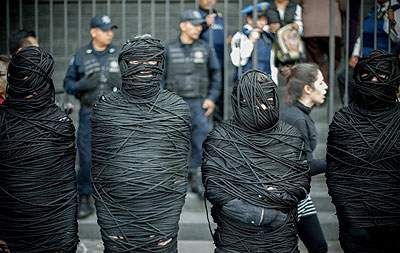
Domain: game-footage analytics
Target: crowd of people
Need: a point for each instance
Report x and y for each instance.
(144, 135)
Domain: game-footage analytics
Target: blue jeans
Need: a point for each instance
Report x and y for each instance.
(200, 130)
(84, 150)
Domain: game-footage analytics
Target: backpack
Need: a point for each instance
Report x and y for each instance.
(289, 48)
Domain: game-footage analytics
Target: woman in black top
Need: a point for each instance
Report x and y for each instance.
(306, 88)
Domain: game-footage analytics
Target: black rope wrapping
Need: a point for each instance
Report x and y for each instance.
(38, 196)
(363, 149)
(140, 152)
(259, 160)
(380, 93)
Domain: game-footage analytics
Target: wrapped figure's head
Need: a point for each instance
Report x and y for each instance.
(141, 60)
(29, 74)
(255, 101)
(377, 79)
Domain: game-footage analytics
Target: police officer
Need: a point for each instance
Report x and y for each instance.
(193, 72)
(214, 23)
(93, 71)
(244, 42)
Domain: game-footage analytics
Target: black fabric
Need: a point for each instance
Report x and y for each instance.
(310, 232)
(363, 149)
(140, 150)
(188, 69)
(274, 17)
(38, 197)
(298, 115)
(379, 239)
(193, 58)
(257, 167)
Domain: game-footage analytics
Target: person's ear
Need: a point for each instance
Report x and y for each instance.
(249, 20)
(182, 25)
(307, 89)
(93, 32)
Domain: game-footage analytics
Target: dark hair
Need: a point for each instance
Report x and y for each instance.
(298, 76)
(5, 58)
(19, 40)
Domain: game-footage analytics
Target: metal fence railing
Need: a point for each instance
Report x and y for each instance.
(149, 10)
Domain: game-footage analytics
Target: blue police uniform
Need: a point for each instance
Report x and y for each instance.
(264, 47)
(382, 36)
(218, 34)
(193, 72)
(101, 69)
(218, 42)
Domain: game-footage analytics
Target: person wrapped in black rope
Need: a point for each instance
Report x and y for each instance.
(255, 172)
(140, 149)
(363, 158)
(38, 194)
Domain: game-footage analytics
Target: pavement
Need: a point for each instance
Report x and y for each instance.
(187, 246)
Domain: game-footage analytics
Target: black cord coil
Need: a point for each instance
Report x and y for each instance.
(140, 150)
(379, 93)
(255, 172)
(363, 149)
(38, 197)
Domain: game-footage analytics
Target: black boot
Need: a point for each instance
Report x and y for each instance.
(84, 207)
(196, 183)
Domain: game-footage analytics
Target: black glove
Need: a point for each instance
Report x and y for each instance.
(115, 80)
(88, 82)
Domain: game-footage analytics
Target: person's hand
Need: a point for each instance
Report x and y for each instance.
(398, 93)
(88, 82)
(274, 27)
(255, 35)
(228, 40)
(390, 15)
(210, 19)
(209, 105)
(353, 61)
(295, 26)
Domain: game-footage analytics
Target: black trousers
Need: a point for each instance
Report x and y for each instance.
(310, 233)
(378, 239)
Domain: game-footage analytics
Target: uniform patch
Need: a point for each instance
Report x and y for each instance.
(198, 57)
(106, 19)
(114, 66)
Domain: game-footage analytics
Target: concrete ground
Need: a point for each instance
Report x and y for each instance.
(96, 246)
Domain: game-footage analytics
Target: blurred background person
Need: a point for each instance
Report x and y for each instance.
(93, 71)
(193, 72)
(214, 23)
(244, 42)
(282, 13)
(21, 39)
(316, 19)
(4, 61)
